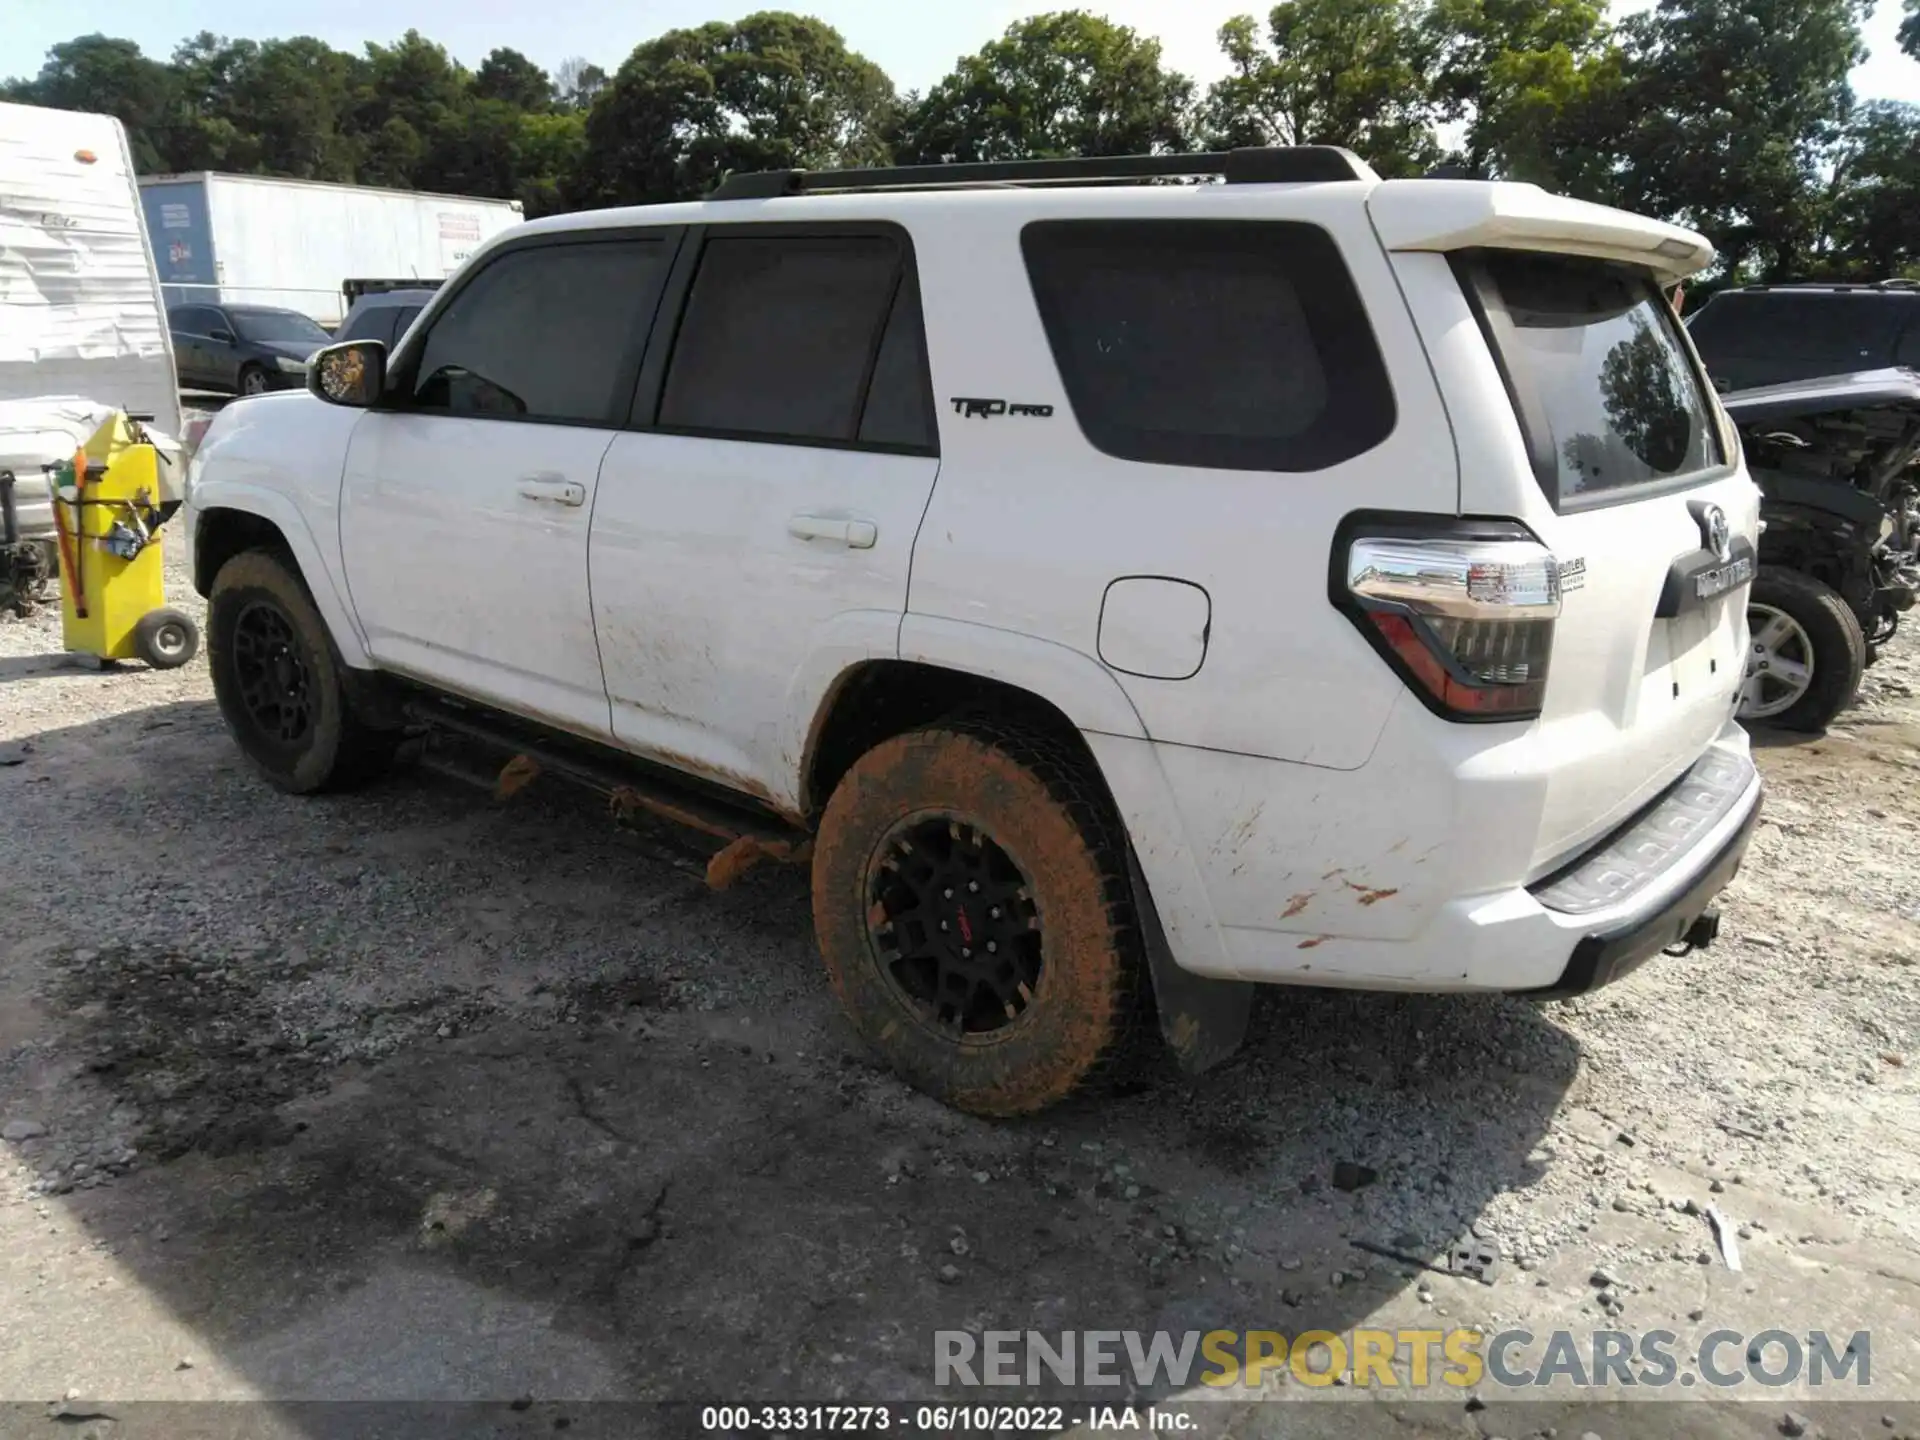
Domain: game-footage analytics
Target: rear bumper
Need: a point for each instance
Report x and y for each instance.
(1604, 956)
(1402, 919)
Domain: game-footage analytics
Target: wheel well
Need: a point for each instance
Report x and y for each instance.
(223, 534)
(883, 698)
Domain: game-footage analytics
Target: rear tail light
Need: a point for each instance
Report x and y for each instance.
(1467, 620)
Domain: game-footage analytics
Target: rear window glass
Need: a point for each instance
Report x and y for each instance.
(1607, 396)
(1222, 344)
(1849, 331)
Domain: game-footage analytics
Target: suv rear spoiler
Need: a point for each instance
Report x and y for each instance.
(1469, 214)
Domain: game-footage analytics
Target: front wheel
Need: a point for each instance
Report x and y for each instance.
(1805, 652)
(253, 381)
(971, 900)
(280, 684)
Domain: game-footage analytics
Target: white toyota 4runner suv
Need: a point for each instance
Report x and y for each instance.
(1117, 592)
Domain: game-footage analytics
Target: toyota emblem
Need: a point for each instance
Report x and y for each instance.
(1713, 520)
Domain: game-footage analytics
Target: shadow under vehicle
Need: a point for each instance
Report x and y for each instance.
(1840, 555)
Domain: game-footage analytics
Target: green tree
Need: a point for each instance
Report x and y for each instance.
(1910, 30)
(1063, 84)
(112, 77)
(510, 77)
(207, 137)
(1873, 216)
(1332, 72)
(292, 102)
(1726, 117)
(1511, 70)
(576, 83)
(771, 91)
(410, 107)
(551, 149)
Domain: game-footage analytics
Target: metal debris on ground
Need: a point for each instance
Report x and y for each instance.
(1723, 1232)
(1476, 1258)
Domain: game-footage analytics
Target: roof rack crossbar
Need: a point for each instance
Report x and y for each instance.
(1258, 165)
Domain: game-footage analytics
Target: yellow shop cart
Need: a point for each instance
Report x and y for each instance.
(108, 512)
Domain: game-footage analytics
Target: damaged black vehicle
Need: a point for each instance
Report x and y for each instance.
(1840, 553)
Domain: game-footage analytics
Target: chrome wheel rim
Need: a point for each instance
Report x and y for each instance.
(1780, 663)
(170, 639)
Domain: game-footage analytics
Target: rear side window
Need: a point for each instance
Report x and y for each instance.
(550, 333)
(1223, 344)
(812, 338)
(1607, 396)
(900, 400)
(369, 324)
(1908, 353)
(402, 318)
(1818, 330)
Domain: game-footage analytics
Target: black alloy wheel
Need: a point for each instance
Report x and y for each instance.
(953, 921)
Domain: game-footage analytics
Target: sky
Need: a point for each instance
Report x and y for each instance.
(914, 41)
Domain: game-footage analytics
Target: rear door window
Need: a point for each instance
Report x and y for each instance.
(1607, 395)
(551, 332)
(1223, 344)
(808, 338)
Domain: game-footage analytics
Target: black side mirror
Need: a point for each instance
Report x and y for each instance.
(353, 373)
(225, 337)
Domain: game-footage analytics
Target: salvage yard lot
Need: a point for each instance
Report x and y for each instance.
(410, 1094)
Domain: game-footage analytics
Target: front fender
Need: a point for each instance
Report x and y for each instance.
(280, 458)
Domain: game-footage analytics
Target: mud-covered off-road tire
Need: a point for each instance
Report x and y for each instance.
(260, 604)
(1833, 631)
(1039, 801)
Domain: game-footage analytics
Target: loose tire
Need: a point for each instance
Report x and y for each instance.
(279, 681)
(166, 639)
(1805, 653)
(1031, 986)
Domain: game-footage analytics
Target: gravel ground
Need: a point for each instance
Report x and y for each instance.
(410, 1094)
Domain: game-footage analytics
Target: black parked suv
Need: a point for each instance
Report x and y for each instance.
(383, 315)
(1767, 334)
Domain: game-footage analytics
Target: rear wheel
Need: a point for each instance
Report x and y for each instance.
(1805, 652)
(971, 901)
(280, 683)
(253, 381)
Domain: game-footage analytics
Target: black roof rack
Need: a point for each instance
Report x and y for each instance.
(1258, 165)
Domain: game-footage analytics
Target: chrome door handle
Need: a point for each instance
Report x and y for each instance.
(553, 491)
(855, 534)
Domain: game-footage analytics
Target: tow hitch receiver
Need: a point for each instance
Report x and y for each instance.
(1702, 933)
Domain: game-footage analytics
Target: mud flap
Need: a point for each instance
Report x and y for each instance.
(1203, 1020)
